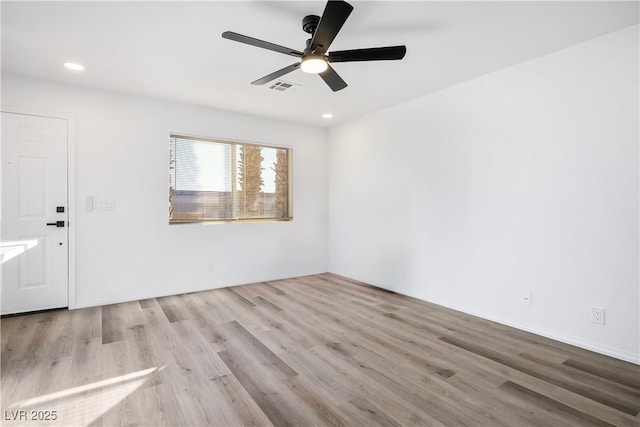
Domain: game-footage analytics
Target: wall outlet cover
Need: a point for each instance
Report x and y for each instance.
(597, 315)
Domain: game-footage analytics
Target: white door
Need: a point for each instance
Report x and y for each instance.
(34, 231)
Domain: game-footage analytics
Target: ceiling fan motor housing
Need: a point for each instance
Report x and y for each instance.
(310, 23)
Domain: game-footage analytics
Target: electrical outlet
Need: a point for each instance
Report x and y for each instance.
(597, 315)
(526, 298)
(211, 268)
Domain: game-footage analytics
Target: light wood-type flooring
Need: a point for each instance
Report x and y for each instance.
(317, 350)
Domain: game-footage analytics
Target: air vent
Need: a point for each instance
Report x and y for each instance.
(282, 86)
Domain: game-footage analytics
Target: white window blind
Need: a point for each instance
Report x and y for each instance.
(212, 180)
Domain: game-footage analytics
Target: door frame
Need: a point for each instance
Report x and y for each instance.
(71, 189)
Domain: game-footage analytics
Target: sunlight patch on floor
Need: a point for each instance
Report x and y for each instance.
(78, 406)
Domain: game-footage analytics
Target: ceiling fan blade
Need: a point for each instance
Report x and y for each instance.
(276, 74)
(333, 18)
(230, 35)
(332, 78)
(371, 54)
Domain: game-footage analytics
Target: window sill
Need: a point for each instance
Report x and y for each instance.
(230, 221)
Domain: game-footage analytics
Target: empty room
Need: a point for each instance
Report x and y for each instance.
(362, 213)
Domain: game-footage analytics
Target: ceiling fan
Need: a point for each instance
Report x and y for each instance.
(314, 58)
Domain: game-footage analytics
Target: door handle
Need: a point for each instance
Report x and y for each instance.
(56, 224)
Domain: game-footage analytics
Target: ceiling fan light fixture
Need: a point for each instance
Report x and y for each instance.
(314, 64)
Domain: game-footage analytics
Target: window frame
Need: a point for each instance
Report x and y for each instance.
(234, 143)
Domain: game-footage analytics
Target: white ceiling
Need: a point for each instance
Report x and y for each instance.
(174, 50)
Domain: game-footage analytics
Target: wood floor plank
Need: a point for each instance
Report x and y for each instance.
(492, 329)
(242, 409)
(148, 303)
(240, 298)
(314, 350)
(604, 396)
(132, 314)
(337, 388)
(87, 343)
(259, 350)
(248, 292)
(227, 306)
(272, 288)
(112, 326)
(613, 374)
(204, 324)
(169, 309)
(368, 377)
(550, 405)
(266, 394)
(266, 303)
(477, 363)
(624, 393)
(253, 317)
(504, 405)
(287, 331)
(372, 414)
(142, 354)
(199, 356)
(214, 304)
(314, 400)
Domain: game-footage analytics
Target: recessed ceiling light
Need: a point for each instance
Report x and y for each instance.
(327, 116)
(73, 66)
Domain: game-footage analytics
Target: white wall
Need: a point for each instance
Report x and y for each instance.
(521, 180)
(122, 151)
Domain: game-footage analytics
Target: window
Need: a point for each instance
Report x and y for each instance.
(214, 180)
